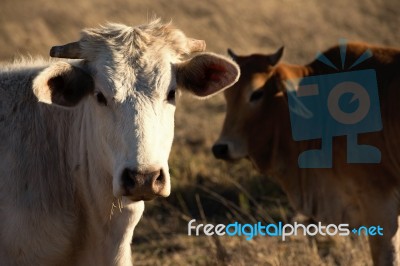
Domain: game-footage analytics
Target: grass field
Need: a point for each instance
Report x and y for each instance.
(204, 188)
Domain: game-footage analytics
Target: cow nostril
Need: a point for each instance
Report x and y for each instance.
(220, 150)
(161, 177)
(127, 180)
(158, 183)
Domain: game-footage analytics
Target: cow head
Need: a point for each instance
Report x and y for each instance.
(126, 86)
(253, 105)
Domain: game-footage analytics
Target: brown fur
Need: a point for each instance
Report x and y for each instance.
(358, 194)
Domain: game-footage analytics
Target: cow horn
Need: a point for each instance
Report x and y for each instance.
(70, 50)
(232, 54)
(196, 45)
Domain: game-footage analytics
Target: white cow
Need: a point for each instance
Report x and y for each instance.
(80, 138)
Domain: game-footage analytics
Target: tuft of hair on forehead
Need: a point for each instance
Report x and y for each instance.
(154, 35)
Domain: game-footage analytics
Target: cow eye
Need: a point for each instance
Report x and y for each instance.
(101, 99)
(256, 95)
(171, 96)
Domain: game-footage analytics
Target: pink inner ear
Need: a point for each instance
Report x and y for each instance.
(215, 77)
(215, 71)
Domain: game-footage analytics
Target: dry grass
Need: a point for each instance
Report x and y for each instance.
(223, 192)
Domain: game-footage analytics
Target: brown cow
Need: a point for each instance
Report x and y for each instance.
(258, 126)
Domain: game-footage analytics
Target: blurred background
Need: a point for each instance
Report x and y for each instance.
(203, 188)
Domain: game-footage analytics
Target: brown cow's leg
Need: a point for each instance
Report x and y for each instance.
(396, 242)
(384, 249)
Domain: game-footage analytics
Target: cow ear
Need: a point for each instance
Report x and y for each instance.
(62, 84)
(207, 74)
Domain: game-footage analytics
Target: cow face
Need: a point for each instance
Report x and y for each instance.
(136, 75)
(252, 108)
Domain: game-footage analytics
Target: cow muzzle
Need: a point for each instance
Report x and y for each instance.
(221, 151)
(229, 150)
(145, 184)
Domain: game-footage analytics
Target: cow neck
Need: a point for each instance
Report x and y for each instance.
(106, 220)
(93, 182)
(49, 187)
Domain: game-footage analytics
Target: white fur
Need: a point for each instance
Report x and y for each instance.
(60, 168)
